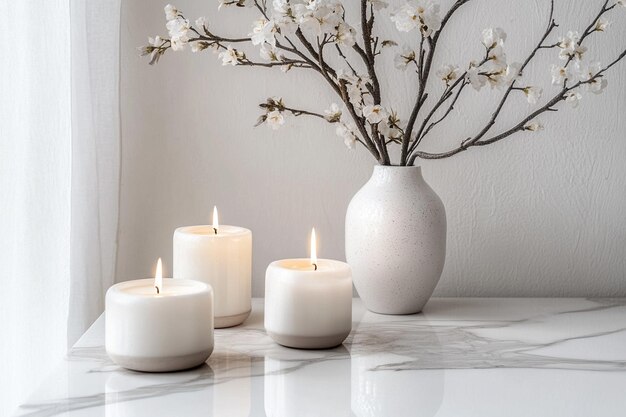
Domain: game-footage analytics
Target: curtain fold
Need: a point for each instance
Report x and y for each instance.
(94, 28)
(59, 180)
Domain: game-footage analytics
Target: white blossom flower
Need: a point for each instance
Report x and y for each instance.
(346, 131)
(153, 49)
(171, 12)
(512, 72)
(202, 23)
(270, 53)
(559, 74)
(493, 37)
(496, 78)
(375, 114)
(355, 95)
(391, 132)
(422, 14)
(284, 16)
(533, 126)
(569, 41)
(282, 7)
(570, 47)
(573, 98)
(533, 94)
(497, 57)
(263, 31)
(230, 56)
(333, 114)
(597, 85)
(356, 86)
(199, 46)
(403, 59)
(587, 73)
(499, 76)
(448, 73)
(275, 119)
(345, 35)
(602, 25)
(474, 76)
(178, 30)
(156, 41)
(378, 4)
(319, 17)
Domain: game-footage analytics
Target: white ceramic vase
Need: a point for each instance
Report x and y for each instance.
(396, 240)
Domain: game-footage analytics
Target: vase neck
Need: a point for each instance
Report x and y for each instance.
(396, 174)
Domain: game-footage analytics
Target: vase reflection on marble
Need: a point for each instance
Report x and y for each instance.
(396, 372)
(396, 240)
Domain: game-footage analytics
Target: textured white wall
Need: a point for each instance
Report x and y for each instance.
(535, 215)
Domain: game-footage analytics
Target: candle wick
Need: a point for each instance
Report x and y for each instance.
(315, 267)
(215, 230)
(157, 288)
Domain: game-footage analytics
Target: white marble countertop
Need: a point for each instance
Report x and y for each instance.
(461, 357)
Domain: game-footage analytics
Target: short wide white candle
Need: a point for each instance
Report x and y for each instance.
(221, 256)
(166, 331)
(308, 302)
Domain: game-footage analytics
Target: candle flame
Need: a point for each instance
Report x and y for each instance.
(158, 277)
(313, 249)
(216, 224)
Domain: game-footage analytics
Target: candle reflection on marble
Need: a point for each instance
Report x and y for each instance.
(232, 382)
(132, 394)
(308, 302)
(309, 392)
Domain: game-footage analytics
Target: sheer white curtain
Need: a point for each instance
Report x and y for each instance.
(59, 177)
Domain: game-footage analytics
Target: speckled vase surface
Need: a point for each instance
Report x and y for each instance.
(396, 240)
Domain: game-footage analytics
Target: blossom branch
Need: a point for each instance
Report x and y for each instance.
(448, 92)
(592, 26)
(295, 33)
(425, 73)
(359, 121)
(289, 62)
(521, 126)
(368, 55)
(551, 25)
(421, 136)
(369, 59)
(299, 112)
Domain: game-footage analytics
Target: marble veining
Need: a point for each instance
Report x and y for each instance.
(460, 357)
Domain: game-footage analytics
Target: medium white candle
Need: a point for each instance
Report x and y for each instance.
(159, 325)
(221, 256)
(308, 302)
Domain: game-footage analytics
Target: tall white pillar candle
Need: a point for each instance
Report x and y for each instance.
(159, 325)
(220, 256)
(308, 302)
